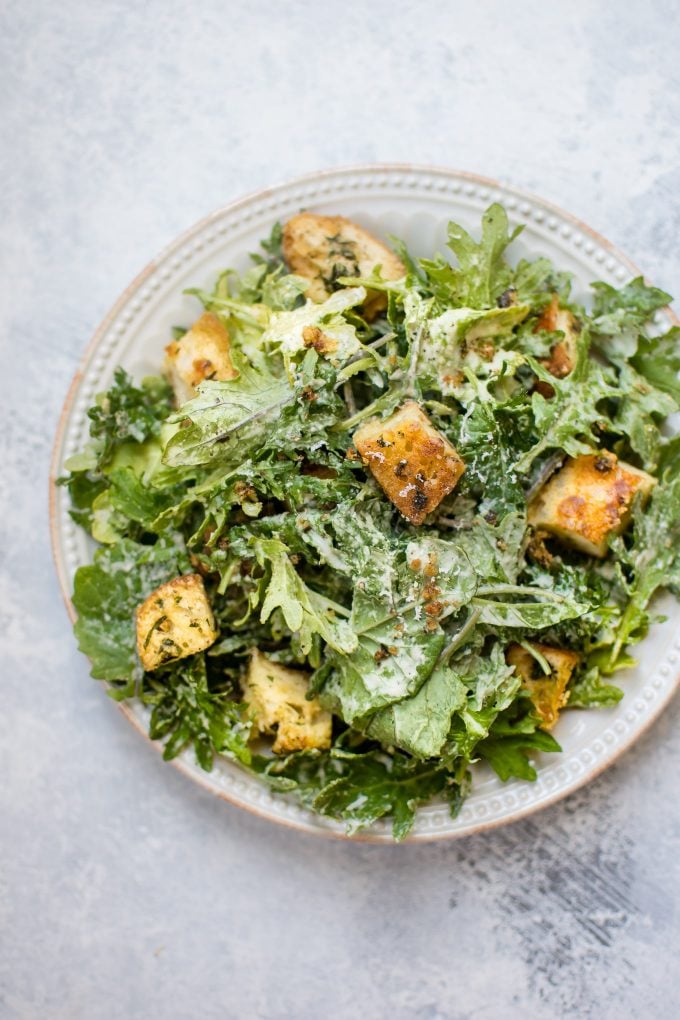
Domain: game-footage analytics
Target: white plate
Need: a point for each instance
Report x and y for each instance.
(414, 203)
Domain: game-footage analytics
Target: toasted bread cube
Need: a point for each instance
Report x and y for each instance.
(202, 353)
(277, 701)
(176, 620)
(324, 248)
(588, 500)
(548, 691)
(412, 462)
(563, 354)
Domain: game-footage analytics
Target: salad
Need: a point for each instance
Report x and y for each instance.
(379, 518)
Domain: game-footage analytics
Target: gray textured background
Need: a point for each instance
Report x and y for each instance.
(126, 892)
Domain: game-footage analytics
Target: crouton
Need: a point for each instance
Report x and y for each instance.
(174, 621)
(324, 248)
(411, 461)
(548, 691)
(202, 353)
(277, 702)
(588, 500)
(563, 354)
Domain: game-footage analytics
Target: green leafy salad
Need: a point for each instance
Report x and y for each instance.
(379, 518)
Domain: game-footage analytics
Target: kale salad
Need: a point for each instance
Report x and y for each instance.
(379, 518)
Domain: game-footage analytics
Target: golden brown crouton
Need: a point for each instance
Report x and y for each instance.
(276, 699)
(412, 462)
(174, 621)
(202, 353)
(588, 500)
(548, 691)
(324, 248)
(563, 354)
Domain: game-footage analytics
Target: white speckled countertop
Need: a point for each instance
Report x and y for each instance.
(125, 891)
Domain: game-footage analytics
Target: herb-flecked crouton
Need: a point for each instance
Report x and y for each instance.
(324, 248)
(414, 464)
(176, 620)
(588, 500)
(277, 703)
(548, 691)
(202, 353)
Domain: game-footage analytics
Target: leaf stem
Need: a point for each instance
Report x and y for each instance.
(520, 589)
(348, 394)
(624, 629)
(460, 638)
(540, 659)
(221, 437)
(365, 412)
(451, 522)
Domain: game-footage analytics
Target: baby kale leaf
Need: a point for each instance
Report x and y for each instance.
(128, 412)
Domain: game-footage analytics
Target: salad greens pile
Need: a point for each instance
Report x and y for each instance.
(255, 485)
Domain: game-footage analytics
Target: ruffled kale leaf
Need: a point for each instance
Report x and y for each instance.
(125, 423)
(452, 697)
(128, 412)
(534, 282)
(227, 419)
(509, 755)
(492, 447)
(482, 274)
(565, 420)
(591, 691)
(305, 612)
(139, 502)
(259, 411)
(361, 786)
(186, 712)
(394, 656)
(641, 408)
(621, 314)
(421, 724)
(658, 360)
(374, 785)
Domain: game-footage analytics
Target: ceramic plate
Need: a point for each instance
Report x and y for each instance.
(414, 203)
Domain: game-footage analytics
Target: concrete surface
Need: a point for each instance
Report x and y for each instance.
(125, 891)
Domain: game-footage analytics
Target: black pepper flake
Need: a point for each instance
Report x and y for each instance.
(419, 500)
(400, 469)
(603, 465)
(383, 443)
